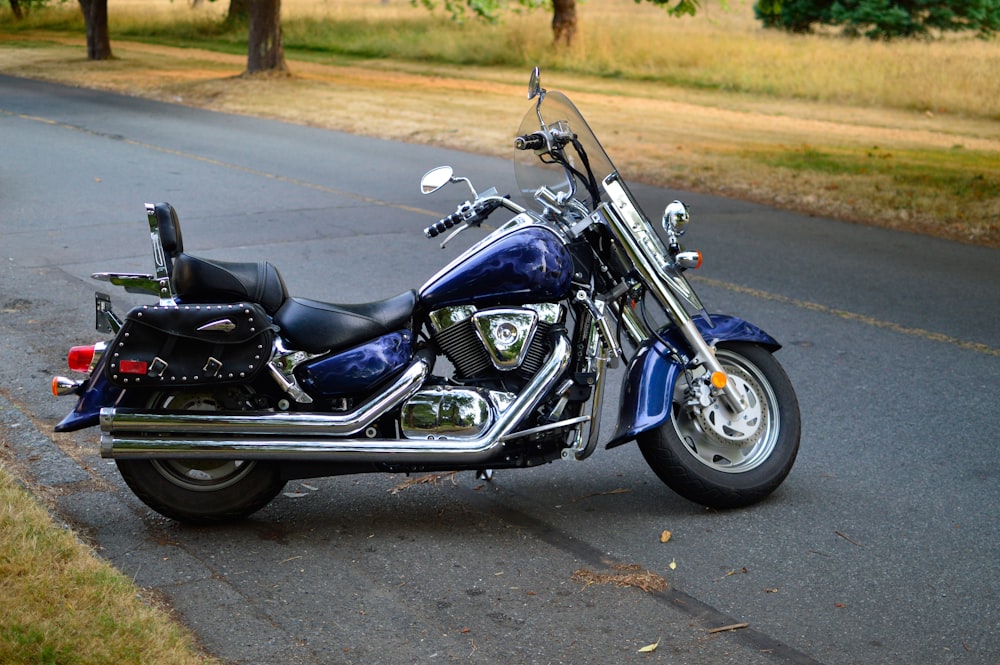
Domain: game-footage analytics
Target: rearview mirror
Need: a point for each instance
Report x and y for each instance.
(435, 179)
(675, 219)
(534, 84)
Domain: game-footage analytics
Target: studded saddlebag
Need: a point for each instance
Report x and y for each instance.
(190, 345)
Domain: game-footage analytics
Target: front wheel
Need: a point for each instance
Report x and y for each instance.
(200, 491)
(709, 457)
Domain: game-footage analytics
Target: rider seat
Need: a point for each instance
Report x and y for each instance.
(307, 325)
(317, 327)
(199, 281)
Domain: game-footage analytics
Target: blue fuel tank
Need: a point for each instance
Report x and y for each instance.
(529, 264)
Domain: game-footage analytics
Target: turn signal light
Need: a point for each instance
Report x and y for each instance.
(689, 260)
(719, 380)
(80, 358)
(63, 386)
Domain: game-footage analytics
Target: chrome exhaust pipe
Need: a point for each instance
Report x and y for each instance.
(284, 441)
(270, 424)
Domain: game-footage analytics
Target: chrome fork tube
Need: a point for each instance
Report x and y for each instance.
(625, 220)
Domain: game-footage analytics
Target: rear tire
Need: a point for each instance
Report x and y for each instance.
(200, 491)
(719, 466)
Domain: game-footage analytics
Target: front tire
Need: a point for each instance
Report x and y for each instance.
(719, 463)
(198, 491)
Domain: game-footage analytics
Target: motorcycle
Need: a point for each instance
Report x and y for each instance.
(211, 399)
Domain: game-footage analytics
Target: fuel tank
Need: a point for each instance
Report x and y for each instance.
(526, 264)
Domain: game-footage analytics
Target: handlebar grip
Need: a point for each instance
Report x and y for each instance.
(442, 225)
(530, 142)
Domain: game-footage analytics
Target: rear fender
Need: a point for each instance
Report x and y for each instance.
(652, 372)
(95, 394)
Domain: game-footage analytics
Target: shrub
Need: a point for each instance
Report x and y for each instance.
(882, 19)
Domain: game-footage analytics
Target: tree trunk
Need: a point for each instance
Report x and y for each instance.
(95, 16)
(15, 6)
(563, 21)
(239, 12)
(264, 50)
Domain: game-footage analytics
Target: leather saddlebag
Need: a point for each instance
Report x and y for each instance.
(190, 345)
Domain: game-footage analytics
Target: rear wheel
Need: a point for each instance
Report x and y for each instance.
(201, 491)
(710, 457)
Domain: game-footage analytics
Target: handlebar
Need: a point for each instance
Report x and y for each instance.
(530, 141)
(443, 225)
(472, 214)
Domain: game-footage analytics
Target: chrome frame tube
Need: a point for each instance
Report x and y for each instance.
(602, 351)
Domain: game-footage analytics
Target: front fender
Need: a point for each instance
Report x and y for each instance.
(647, 392)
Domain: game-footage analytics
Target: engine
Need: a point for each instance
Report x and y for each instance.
(501, 342)
(493, 351)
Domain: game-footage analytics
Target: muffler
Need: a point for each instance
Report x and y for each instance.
(270, 424)
(128, 434)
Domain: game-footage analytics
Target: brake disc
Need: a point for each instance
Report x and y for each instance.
(736, 430)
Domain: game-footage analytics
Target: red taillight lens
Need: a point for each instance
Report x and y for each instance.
(133, 367)
(80, 358)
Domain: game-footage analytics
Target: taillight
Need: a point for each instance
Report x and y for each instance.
(80, 358)
(85, 358)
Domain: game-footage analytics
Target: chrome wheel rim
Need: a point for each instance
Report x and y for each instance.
(194, 474)
(720, 440)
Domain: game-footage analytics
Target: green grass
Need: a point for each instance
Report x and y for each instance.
(974, 176)
(61, 605)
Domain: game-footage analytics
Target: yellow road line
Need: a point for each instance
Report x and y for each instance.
(850, 316)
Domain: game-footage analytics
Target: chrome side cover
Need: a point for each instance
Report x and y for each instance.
(452, 412)
(506, 334)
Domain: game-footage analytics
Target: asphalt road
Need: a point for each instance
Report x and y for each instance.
(881, 546)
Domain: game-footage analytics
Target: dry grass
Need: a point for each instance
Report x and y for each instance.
(63, 605)
(886, 168)
(625, 575)
(902, 135)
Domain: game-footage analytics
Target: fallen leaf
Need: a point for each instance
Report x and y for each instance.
(732, 626)
(649, 648)
(673, 564)
(665, 536)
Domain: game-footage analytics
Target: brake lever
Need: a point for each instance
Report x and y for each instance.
(454, 233)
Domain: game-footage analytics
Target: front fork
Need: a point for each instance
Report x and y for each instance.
(703, 353)
(599, 349)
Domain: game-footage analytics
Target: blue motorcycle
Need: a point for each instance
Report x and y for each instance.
(213, 397)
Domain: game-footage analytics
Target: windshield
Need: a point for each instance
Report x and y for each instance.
(573, 145)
